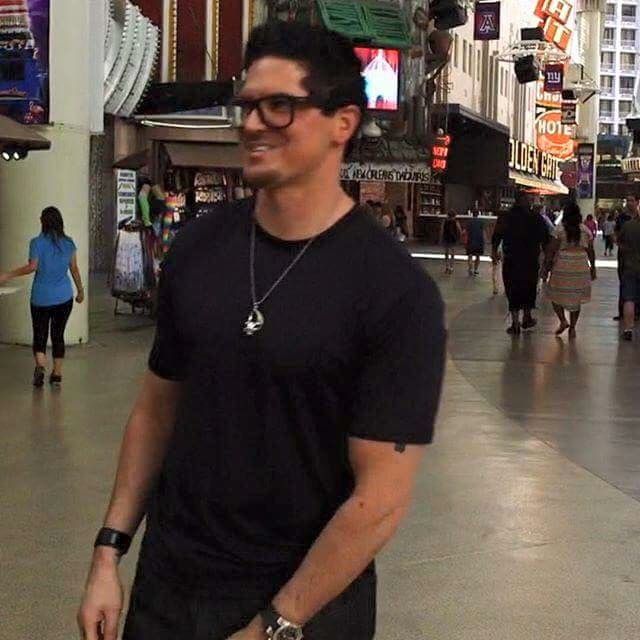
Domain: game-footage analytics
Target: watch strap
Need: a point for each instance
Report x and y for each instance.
(112, 538)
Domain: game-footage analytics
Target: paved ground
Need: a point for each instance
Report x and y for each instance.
(526, 523)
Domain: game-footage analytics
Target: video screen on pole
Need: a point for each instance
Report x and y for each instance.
(381, 70)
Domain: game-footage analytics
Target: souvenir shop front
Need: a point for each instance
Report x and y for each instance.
(182, 174)
(410, 185)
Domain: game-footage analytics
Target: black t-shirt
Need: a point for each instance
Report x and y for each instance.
(353, 345)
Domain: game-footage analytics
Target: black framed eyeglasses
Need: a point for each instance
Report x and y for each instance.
(277, 111)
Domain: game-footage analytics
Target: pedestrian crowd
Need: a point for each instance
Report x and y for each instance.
(553, 251)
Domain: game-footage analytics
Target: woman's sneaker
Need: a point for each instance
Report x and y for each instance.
(38, 376)
(55, 380)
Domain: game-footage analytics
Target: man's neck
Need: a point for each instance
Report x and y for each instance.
(301, 212)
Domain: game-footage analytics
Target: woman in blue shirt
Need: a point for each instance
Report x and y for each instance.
(52, 255)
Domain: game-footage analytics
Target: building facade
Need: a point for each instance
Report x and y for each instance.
(619, 65)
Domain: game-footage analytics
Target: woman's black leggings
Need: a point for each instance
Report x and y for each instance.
(55, 317)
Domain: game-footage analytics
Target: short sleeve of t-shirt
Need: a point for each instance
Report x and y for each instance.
(398, 391)
(167, 358)
(34, 253)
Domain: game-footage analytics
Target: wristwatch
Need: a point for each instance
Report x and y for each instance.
(111, 538)
(277, 628)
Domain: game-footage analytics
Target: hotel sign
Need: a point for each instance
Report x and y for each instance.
(528, 159)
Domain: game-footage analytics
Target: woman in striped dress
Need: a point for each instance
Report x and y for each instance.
(572, 263)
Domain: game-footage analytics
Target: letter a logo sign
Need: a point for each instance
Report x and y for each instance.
(487, 21)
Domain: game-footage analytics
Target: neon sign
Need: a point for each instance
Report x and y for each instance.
(440, 153)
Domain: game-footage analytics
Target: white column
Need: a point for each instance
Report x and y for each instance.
(590, 28)
(58, 177)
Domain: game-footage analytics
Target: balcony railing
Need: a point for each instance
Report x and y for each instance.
(627, 44)
(606, 91)
(607, 67)
(607, 42)
(628, 19)
(606, 115)
(628, 68)
(625, 91)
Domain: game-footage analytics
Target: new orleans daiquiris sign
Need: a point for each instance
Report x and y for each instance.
(528, 159)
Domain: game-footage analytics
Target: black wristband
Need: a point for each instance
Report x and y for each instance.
(111, 538)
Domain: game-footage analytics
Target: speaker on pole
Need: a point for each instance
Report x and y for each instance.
(527, 69)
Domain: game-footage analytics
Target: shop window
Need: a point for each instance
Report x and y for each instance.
(464, 56)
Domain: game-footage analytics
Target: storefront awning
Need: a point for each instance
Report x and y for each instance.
(542, 185)
(370, 22)
(135, 161)
(479, 149)
(14, 134)
(206, 156)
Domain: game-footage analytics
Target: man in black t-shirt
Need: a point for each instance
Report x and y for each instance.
(629, 212)
(294, 382)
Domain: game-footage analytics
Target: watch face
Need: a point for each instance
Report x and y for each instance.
(288, 633)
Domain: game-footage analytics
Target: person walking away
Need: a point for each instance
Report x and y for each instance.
(401, 223)
(276, 439)
(630, 211)
(592, 225)
(571, 261)
(522, 235)
(496, 257)
(450, 234)
(608, 230)
(475, 243)
(387, 219)
(629, 246)
(52, 255)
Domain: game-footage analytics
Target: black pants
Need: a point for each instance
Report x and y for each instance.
(52, 319)
(160, 611)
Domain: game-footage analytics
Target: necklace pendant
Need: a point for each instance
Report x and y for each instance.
(254, 322)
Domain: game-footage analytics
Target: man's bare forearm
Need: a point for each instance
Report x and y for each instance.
(348, 544)
(143, 450)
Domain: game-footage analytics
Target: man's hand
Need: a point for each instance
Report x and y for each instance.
(254, 631)
(80, 296)
(103, 599)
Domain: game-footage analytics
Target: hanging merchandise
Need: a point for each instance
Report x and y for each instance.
(133, 278)
(448, 14)
(487, 21)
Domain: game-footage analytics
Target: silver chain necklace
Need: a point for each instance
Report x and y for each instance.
(255, 321)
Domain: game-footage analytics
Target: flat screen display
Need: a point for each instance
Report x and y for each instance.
(381, 70)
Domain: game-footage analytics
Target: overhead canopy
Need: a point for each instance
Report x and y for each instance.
(135, 161)
(14, 134)
(371, 22)
(479, 149)
(209, 156)
(543, 185)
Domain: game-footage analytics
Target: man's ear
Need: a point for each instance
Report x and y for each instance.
(347, 121)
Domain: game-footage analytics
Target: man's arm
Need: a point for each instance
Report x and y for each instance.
(385, 477)
(143, 450)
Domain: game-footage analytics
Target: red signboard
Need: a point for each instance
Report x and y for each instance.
(554, 16)
(440, 153)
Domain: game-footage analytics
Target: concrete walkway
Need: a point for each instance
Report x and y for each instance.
(526, 522)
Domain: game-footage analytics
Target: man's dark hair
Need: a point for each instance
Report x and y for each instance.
(334, 70)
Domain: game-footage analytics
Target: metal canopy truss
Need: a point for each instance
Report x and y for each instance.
(544, 51)
(547, 52)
